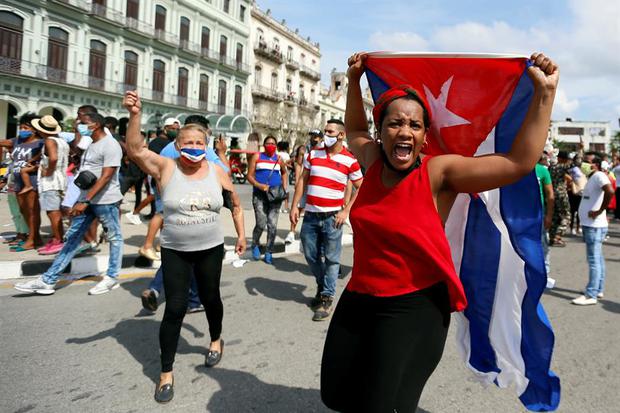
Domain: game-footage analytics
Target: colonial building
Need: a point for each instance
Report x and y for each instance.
(183, 57)
(285, 79)
(566, 134)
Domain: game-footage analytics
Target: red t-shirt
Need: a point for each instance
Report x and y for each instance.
(399, 241)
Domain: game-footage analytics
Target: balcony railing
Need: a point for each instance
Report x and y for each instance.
(42, 72)
(267, 93)
(273, 53)
(292, 64)
(80, 4)
(139, 26)
(190, 46)
(167, 37)
(108, 13)
(310, 73)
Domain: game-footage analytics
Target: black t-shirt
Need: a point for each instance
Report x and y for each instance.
(157, 144)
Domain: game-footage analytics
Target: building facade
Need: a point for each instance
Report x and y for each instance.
(285, 79)
(183, 57)
(567, 134)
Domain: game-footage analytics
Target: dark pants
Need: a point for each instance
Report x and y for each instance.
(380, 351)
(266, 215)
(127, 181)
(177, 268)
(617, 210)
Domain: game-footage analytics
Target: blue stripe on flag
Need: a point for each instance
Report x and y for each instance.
(479, 277)
(524, 223)
(377, 86)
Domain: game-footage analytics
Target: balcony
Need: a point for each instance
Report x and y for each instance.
(139, 26)
(272, 53)
(267, 93)
(190, 47)
(309, 73)
(79, 4)
(290, 99)
(107, 13)
(306, 105)
(291, 64)
(234, 64)
(167, 37)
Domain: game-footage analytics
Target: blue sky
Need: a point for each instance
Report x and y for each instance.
(582, 36)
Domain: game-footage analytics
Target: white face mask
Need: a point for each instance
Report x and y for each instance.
(330, 140)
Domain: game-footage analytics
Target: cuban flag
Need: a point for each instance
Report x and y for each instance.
(478, 103)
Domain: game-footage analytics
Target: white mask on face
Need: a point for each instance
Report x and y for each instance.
(330, 140)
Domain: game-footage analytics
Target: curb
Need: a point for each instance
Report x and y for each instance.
(95, 264)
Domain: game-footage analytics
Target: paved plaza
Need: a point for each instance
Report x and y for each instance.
(71, 352)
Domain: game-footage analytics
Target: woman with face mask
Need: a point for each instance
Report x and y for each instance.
(25, 149)
(191, 237)
(266, 170)
(388, 332)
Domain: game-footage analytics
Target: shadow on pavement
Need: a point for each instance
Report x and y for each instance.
(140, 339)
(569, 295)
(243, 392)
(136, 286)
(135, 240)
(277, 290)
(287, 265)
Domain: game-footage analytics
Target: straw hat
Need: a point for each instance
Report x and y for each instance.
(47, 125)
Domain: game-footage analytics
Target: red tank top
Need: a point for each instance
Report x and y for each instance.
(399, 241)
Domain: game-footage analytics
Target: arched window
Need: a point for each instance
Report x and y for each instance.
(223, 47)
(57, 53)
(221, 96)
(239, 55)
(289, 53)
(203, 93)
(258, 75)
(184, 31)
(289, 86)
(131, 70)
(182, 83)
(159, 79)
(160, 18)
(205, 40)
(96, 66)
(133, 9)
(11, 32)
(238, 97)
(260, 38)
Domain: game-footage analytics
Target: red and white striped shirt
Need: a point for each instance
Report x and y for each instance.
(328, 179)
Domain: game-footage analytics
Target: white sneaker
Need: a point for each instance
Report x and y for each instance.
(104, 286)
(290, 238)
(583, 300)
(36, 286)
(599, 295)
(550, 283)
(133, 218)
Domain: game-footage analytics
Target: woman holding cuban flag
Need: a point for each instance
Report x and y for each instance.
(388, 332)
(191, 237)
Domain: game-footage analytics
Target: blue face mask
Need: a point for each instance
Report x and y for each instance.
(24, 134)
(83, 130)
(193, 154)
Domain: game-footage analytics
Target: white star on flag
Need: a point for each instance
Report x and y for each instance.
(442, 116)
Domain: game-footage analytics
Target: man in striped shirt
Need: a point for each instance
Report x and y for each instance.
(325, 175)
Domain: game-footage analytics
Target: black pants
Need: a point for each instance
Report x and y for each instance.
(177, 269)
(380, 351)
(617, 210)
(136, 181)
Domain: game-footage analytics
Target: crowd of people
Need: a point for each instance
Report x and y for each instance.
(403, 285)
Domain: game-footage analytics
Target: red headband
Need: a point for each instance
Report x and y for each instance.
(392, 94)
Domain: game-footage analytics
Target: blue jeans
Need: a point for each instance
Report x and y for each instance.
(593, 238)
(322, 245)
(108, 216)
(157, 284)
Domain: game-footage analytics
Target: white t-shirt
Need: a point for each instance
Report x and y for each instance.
(592, 199)
(284, 156)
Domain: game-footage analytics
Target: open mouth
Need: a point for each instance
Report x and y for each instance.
(402, 151)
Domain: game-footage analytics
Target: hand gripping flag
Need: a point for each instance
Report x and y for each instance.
(478, 103)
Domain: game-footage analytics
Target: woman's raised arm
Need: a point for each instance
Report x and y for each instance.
(150, 162)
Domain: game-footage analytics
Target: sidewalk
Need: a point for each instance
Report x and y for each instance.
(27, 263)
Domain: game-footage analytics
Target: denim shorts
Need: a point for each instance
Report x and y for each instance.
(50, 200)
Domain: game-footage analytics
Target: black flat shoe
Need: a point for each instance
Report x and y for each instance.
(165, 393)
(214, 357)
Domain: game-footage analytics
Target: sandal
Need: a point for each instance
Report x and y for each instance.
(558, 243)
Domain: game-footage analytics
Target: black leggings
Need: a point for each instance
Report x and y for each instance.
(177, 271)
(380, 351)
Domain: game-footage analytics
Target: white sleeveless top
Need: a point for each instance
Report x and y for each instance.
(57, 181)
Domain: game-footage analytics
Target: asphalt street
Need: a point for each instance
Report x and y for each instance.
(71, 352)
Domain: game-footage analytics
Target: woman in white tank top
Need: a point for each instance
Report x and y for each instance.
(191, 236)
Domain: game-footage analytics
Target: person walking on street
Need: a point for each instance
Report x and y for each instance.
(191, 238)
(593, 215)
(560, 177)
(324, 180)
(266, 172)
(547, 200)
(100, 197)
